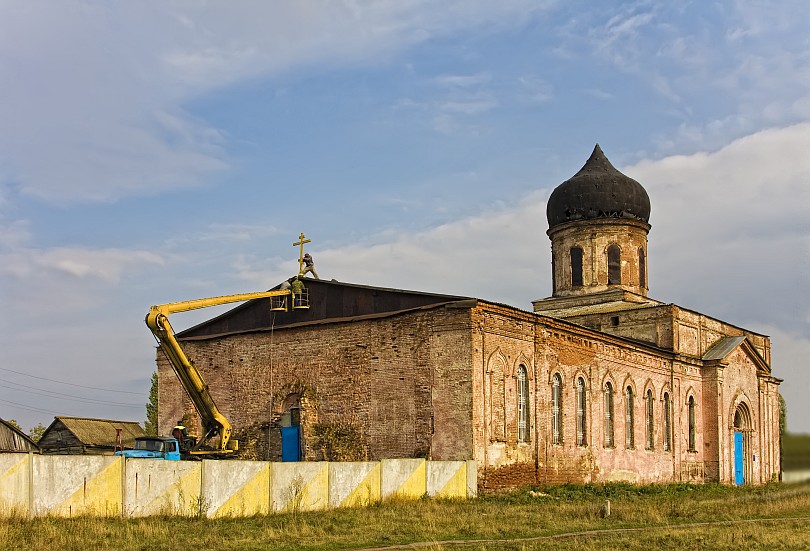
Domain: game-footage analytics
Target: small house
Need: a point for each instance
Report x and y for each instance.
(79, 435)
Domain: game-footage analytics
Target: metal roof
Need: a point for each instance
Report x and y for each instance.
(598, 190)
(100, 432)
(722, 348)
(603, 308)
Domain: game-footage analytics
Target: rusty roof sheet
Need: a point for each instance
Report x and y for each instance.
(603, 308)
(722, 348)
(101, 432)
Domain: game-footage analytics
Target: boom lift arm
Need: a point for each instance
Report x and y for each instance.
(214, 423)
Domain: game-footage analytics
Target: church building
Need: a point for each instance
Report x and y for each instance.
(599, 382)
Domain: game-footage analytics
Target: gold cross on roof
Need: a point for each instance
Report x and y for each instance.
(300, 243)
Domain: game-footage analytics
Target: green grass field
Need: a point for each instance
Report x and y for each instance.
(674, 517)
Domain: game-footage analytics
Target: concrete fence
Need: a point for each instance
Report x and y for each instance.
(790, 477)
(71, 485)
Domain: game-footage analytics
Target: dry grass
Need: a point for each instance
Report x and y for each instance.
(656, 517)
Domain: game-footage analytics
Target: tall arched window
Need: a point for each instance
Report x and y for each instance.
(667, 423)
(629, 419)
(556, 410)
(650, 408)
(642, 269)
(553, 275)
(608, 415)
(576, 267)
(582, 424)
(523, 403)
(692, 424)
(614, 255)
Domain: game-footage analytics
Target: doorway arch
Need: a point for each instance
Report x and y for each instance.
(740, 448)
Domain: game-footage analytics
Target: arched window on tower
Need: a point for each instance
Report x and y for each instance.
(523, 403)
(649, 406)
(556, 410)
(629, 419)
(576, 267)
(692, 424)
(608, 415)
(582, 424)
(642, 269)
(614, 254)
(553, 274)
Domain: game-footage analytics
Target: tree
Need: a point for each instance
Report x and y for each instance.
(151, 424)
(782, 416)
(37, 432)
(15, 424)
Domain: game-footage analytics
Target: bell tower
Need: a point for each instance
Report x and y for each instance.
(598, 221)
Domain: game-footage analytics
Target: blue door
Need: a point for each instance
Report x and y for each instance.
(291, 443)
(739, 455)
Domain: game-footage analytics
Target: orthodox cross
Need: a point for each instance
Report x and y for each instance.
(300, 243)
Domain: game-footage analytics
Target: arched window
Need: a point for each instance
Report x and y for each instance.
(608, 415)
(576, 267)
(614, 255)
(523, 403)
(582, 424)
(556, 410)
(650, 408)
(629, 419)
(642, 269)
(553, 275)
(667, 423)
(692, 424)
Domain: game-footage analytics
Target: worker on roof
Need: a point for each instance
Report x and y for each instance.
(309, 266)
(297, 287)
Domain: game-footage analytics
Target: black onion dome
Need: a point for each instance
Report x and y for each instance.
(598, 190)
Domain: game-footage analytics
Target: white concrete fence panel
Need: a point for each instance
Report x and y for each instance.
(74, 485)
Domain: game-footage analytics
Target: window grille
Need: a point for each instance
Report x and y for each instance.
(692, 424)
(667, 423)
(642, 270)
(581, 409)
(556, 410)
(576, 267)
(523, 404)
(650, 405)
(614, 255)
(608, 415)
(629, 418)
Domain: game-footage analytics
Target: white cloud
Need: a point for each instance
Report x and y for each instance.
(790, 351)
(106, 265)
(730, 239)
(93, 94)
(463, 81)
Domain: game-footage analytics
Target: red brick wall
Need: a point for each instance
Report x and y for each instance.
(382, 376)
(442, 383)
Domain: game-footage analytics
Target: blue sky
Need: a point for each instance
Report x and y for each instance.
(160, 151)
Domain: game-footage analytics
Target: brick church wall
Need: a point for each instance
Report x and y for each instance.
(376, 376)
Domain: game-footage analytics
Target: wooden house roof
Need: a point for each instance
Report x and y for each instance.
(13, 439)
(97, 432)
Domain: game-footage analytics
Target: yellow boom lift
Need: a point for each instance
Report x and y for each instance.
(214, 422)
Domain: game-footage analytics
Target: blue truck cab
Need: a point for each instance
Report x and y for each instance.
(154, 447)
